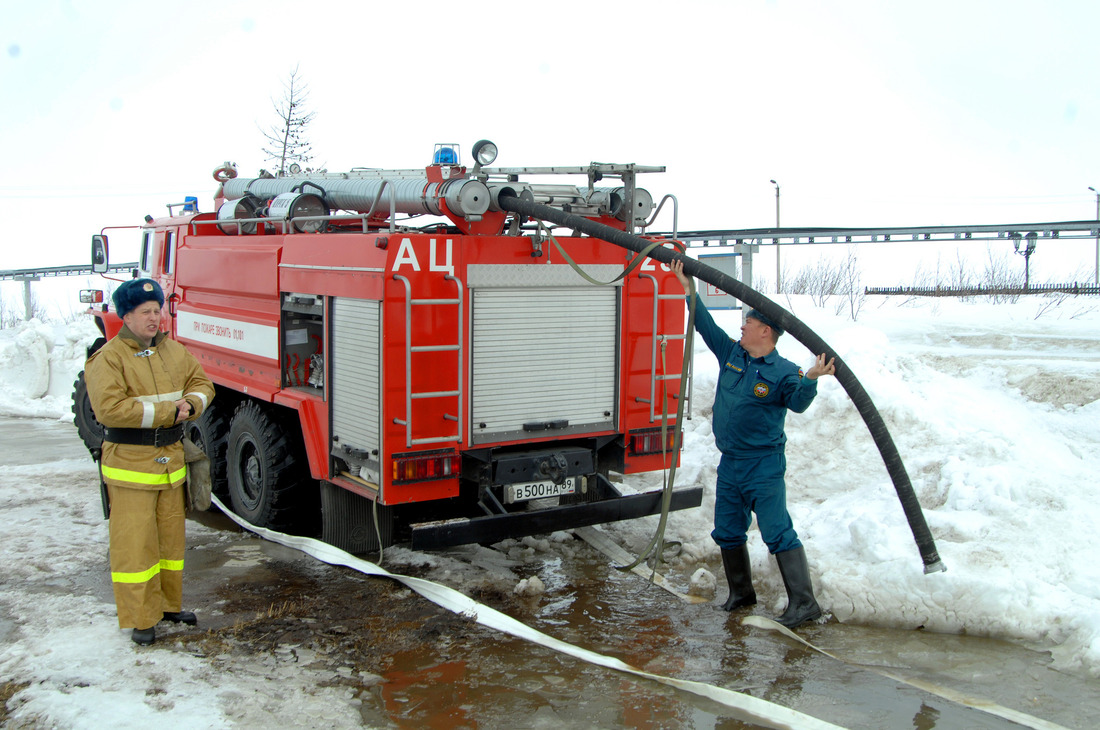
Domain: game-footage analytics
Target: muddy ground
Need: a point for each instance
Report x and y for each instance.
(405, 662)
(291, 623)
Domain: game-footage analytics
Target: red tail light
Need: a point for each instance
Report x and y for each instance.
(649, 441)
(424, 467)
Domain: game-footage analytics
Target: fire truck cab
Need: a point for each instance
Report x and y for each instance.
(474, 377)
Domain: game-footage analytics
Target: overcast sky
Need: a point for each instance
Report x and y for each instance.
(866, 112)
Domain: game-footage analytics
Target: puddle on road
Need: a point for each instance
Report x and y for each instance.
(413, 665)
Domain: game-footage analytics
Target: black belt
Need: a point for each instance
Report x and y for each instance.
(144, 436)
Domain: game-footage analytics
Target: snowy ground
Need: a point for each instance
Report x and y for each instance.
(995, 411)
(996, 414)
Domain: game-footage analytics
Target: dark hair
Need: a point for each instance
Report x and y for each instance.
(763, 319)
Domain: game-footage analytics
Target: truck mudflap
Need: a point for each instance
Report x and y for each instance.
(494, 528)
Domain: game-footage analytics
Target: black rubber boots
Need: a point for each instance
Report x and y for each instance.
(181, 617)
(801, 604)
(144, 637)
(739, 577)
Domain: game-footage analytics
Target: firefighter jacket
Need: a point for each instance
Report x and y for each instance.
(133, 386)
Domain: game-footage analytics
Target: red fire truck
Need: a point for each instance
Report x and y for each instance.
(439, 381)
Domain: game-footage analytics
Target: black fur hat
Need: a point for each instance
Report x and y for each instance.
(135, 292)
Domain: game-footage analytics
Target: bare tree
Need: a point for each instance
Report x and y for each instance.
(851, 286)
(13, 314)
(286, 141)
(820, 280)
(8, 316)
(959, 275)
(999, 275)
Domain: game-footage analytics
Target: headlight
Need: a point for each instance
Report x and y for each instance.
(485, 152)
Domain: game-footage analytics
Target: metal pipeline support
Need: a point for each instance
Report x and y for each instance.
(508, 201)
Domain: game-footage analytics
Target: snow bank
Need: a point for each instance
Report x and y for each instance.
(38, 364)
(1002, 457)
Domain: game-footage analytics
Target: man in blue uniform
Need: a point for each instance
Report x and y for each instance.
(756, 387)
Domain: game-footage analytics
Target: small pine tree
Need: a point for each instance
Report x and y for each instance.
(286, 141)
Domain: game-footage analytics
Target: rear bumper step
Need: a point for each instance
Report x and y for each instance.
(494, 528)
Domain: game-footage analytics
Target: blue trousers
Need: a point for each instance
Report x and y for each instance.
(748, 484)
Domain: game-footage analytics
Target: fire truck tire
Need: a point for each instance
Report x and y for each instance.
(210, 432)
(269, 480)
(90, 430)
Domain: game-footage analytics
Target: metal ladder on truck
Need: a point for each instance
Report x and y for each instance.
(654, 378)
(410, 350)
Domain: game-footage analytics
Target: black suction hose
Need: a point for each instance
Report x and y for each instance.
(508, 201)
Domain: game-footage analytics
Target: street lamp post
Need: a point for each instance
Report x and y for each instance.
(778, 284)
(1096, 265)
(1025, 246)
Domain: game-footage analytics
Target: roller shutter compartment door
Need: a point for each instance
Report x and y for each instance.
(543, 355)
(355, 373)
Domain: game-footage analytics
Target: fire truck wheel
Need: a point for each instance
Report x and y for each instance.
(210, 432)
(269, 484)
(90, 430)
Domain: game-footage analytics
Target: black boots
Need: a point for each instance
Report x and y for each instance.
(144, 637)
(739, 577)
(801, 604)
(181, 617)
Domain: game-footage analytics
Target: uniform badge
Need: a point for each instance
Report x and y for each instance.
(148, 286)
(800, 373)
(760, 390)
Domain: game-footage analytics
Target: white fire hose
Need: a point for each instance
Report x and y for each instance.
(748, 708)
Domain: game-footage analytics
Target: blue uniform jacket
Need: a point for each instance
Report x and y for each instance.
(753, 394)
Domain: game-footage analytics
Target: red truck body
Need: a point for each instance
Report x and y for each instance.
(455, 382)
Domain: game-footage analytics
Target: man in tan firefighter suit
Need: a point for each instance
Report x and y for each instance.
(143, 386)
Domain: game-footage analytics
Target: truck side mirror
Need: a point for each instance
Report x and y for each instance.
(99, 254)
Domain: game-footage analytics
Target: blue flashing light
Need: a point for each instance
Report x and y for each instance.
(445, 156)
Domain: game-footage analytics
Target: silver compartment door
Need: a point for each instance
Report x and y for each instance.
(543, 354)
(356, 377)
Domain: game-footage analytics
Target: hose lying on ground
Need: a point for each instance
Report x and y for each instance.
(753, 710)
(508, 201)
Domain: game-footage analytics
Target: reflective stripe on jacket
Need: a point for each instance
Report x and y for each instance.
(133, 386)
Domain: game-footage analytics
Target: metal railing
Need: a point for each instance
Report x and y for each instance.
(982, 291)
(28, 276)
(41, 272)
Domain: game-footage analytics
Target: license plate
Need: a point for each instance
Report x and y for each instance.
(538, 490)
